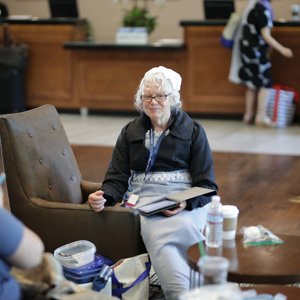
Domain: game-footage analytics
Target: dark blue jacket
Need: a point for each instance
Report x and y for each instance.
(185, 147)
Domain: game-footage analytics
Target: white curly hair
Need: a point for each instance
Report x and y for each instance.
(167, 80)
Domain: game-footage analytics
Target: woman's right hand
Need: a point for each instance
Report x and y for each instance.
(96, 201)
(287, 52)
(273, 43)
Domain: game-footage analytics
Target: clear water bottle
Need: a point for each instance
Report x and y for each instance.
(214, 226)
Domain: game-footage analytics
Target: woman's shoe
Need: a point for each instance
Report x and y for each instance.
(264, 122)
(248, 119)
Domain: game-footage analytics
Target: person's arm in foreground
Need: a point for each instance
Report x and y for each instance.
(26, 248)
(29, 252)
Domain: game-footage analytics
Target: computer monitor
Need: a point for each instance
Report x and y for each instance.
(218, 9)
(3, 10)
(63, 8)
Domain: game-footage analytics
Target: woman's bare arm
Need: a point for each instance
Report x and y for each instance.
(29, 252)
(266, 34)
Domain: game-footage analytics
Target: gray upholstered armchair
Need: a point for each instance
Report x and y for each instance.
(46, 190)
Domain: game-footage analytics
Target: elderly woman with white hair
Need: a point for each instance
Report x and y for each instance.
(161, 152)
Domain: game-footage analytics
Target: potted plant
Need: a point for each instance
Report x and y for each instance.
(137, 22)
(139, 17)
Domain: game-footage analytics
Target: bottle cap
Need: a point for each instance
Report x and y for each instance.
(216, 198)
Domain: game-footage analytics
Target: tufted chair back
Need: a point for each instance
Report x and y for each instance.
(46, 190)
(42, 157)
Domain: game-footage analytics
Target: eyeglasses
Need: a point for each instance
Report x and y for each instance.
(158, 98)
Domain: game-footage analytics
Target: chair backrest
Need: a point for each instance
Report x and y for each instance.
(38, 159)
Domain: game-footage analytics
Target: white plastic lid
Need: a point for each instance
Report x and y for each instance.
(75, 254)
(230, 210)
(216, 198)
(216, 203)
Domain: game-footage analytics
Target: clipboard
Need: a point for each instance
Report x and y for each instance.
(173, 200)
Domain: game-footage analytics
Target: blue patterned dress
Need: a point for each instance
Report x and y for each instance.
(255, 69)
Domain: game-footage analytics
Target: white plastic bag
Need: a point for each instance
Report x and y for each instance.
(130, 280)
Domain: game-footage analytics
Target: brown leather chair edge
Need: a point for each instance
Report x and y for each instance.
(115, 231)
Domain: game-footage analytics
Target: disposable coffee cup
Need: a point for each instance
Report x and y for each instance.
(214, 269)
(230, 218)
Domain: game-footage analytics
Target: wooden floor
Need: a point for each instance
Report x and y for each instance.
(260, 185)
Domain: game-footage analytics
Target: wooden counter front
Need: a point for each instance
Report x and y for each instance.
(106, 76)
(287, 71)
(208, 88)
(67, 71)
(49, 69)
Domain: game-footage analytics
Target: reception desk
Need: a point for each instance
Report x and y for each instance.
(207, 67)
(70, 72)
(49, 70)
(106, 76)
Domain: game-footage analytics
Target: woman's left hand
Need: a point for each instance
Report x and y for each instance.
(175, 211)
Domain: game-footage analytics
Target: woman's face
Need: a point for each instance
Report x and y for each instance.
(158, 110)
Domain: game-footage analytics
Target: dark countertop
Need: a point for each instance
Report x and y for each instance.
(223, 23)
(32, 20)
(113, 46)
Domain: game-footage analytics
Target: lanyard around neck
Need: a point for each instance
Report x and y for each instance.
(154, 147)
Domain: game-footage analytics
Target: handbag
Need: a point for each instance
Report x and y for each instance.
(281, 105)
(130, 278)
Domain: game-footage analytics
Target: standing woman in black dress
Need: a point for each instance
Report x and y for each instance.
(251, 65)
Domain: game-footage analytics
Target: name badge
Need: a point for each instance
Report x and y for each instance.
(132, 200)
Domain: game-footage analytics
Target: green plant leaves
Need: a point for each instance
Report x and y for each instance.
(139, 17)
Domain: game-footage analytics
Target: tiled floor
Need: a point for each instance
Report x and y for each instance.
(223, 135)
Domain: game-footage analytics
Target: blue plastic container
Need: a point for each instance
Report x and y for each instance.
(87, 272)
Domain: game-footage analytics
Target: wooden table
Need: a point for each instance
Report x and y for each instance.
(292, 293)
(278, 264)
